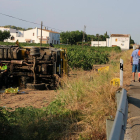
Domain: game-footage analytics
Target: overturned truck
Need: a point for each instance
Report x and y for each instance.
(34, 67)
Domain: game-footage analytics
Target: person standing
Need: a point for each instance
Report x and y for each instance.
(135, 62)
(139, 64)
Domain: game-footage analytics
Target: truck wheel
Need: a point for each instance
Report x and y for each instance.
(36, 86)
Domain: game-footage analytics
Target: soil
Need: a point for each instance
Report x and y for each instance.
(27, 97)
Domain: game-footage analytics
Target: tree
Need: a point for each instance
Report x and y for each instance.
(4, 35)
(71, 37)
(131, 41)
(106, 35)
(29, 28)
(14, 27)
(90, 37)
(77, 36)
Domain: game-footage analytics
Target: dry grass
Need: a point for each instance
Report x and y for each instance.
(80, 110)
(127, 72)
(91, 94)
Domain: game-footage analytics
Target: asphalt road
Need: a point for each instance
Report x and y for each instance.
(133, 122)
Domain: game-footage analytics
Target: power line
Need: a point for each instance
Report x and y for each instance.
(19, 19)
(28, 21)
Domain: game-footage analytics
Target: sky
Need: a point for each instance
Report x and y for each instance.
(99, 16)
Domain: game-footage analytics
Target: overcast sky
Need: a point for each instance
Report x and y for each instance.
(99, 16)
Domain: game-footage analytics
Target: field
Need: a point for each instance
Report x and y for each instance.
(77, 110)
(80, 57)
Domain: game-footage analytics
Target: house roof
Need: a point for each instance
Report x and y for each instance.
(49, 31)
(119, 35)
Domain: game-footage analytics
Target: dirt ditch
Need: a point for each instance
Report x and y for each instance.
(27, 97)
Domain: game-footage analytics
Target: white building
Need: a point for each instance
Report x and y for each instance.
(33, 36)
(121, 40)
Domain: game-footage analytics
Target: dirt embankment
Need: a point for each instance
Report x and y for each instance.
(35, 98)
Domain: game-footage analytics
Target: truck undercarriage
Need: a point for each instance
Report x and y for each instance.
(34, 67)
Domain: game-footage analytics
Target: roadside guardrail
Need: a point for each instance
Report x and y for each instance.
(115, 129)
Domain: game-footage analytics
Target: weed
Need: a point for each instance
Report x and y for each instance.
(78, 112)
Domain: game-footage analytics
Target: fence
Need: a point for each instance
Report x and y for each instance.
(116, 129)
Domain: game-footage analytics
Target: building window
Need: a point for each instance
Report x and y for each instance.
(33, 34)
(12, 38)
(52, 41)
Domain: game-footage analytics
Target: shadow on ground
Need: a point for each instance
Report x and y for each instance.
(134, 101)
(35, 124)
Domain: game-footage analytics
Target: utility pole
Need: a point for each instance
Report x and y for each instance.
(98, 40)
(41, 34)
(84, 35)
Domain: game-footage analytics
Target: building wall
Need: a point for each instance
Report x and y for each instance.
(31, 34)
(101, 43)
(122, 42)
(34, 35)
(108, 42)
(12, 30)
(45, 35)
(54, 38)
(18, 35)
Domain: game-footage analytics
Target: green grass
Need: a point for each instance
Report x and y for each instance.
(36, 124)
(78, 112)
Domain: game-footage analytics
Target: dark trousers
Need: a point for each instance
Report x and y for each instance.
(4, 79)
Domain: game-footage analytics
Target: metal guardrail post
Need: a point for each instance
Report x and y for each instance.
(118, 96)
(109, 124)
(121, 72)
(119, 125)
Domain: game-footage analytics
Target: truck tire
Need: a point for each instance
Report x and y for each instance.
(36, 86)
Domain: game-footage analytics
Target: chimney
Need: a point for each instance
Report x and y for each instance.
(45, 28)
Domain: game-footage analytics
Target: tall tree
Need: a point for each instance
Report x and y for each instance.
(76, 36)
(4, 35)
(71, 37)
(131, 41)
